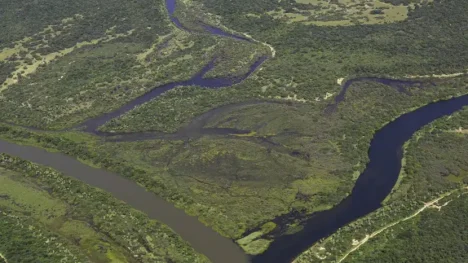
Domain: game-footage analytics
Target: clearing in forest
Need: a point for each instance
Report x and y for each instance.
(344, 12)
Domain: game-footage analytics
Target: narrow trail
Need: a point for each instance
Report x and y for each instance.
(373, 185)
(339, 81)
(438, 76)
(430, 204)
(371, 188)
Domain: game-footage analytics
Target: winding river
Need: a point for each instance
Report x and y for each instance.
(399, 85)
(93, 124)
(372, 187)
(201, 238)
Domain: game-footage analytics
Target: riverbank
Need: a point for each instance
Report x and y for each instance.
(86, 156)
(300, 161)
(425, 179)
(201, 238)
(49, 216)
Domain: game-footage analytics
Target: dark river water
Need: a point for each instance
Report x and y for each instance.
(93, 124)
(399, 85)
(372, 187)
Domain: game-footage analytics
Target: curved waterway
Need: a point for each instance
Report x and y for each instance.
(371, 188)
(93, 124)
(202, 238)
(399, 85)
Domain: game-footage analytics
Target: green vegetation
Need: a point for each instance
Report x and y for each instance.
(323, 12)
(434, 236)
(237, 183)
(435, 166)
(344, 12)
(313, 58)
(73, 60)
(174, 109)
(112, 68)
(310, 59)
(54, 76)
(47, 217)
(252, 244)
(86, 19)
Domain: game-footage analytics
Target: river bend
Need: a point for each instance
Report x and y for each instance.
(372, 187)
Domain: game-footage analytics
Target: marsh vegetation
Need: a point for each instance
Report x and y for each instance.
(82, 59)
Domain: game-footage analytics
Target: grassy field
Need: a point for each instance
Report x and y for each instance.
(344, 12)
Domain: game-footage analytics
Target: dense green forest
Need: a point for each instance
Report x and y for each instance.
(73, 60)
(54, 74)
(310, 59)
(434, 236)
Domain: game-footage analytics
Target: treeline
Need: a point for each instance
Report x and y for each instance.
(27, 18)
(314, 56)
(6, 68)
(227, 8)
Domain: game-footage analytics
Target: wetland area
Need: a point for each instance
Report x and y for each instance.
(375, 181)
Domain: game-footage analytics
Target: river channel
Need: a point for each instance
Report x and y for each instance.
(372, 187)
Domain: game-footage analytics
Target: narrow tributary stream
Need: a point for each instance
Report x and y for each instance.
(373, 185)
